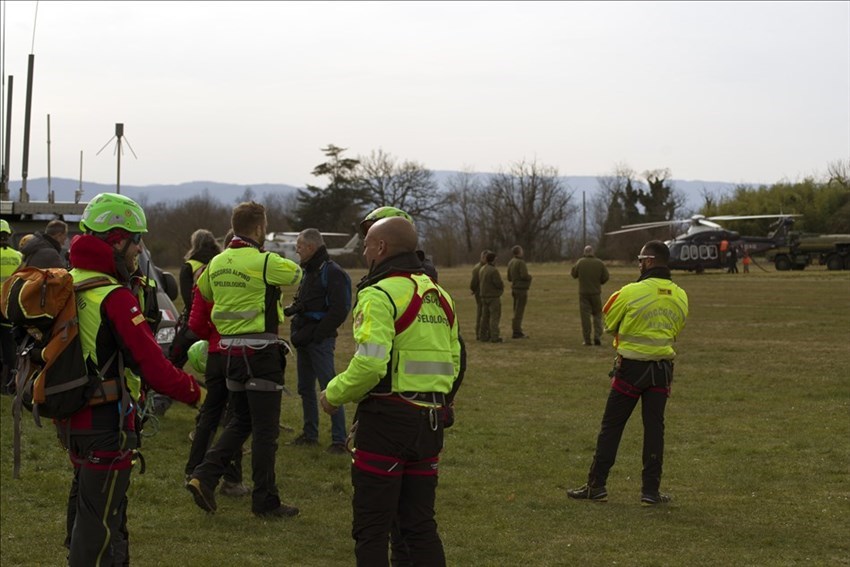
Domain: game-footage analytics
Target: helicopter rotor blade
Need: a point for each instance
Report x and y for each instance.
(746, 217)
(643, 226)
(709, 224)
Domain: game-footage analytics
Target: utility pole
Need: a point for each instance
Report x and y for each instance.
(50, 198)
(583, 219)
(4, 188)
(26, 149)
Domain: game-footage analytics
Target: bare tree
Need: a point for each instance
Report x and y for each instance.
(463, 193)
(407, 185)
(838, 172)
(529, 206)
(607, 208)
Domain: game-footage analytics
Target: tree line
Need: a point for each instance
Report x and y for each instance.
(526, 203)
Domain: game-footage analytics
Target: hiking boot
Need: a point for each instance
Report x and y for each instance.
(282, 511)
(587, 343)
(520, 336)
(234, 489)
(337, 449)
(654, 498)
(587, 492)
(304, 441)
(597, 342)
(204, 497)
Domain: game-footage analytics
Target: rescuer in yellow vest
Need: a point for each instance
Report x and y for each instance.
(645, 318)
(10, 260)
(119, 345)
(406, 362)
(243, 283)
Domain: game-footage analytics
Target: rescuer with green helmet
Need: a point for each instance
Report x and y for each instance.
(405, 365)
(243, 284)
(382, 213)
(645, 318)
(10, 260)
(400, 553)
(390, 212)
(119, 345)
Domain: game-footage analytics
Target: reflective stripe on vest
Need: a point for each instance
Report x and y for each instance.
(421, 359)
(236, 282)
(646, 317)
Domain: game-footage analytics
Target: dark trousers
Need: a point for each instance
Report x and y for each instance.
(395, 478)
(316, 363)
(256, 413)
(96, 519)
(590, 307)
(520, 299)
(634, 380)
(478, 313)
(214, 408)
(491, 314)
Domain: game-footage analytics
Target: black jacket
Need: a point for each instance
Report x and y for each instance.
(320, 310)
(42, 251)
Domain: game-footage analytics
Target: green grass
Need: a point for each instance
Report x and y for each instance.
(757, 456)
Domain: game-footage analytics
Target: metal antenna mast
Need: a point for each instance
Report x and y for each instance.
(50, 197)
(79, 192)
(119, 136)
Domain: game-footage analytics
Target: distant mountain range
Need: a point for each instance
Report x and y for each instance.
(229, 192)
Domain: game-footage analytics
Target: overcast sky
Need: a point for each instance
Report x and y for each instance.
(249, 92)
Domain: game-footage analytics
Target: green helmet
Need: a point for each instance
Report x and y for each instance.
(4, 227)
(198, 356)
(382, 213)
(111, 210)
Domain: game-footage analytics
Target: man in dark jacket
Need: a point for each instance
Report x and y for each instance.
(321, 305)
(44, 250)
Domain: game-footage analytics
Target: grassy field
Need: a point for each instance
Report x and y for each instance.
(757, 457)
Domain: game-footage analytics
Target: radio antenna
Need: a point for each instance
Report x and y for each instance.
(119, 149)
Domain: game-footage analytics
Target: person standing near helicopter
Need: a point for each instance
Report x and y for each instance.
(645, 317)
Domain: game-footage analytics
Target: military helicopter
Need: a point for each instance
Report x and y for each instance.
(700, 247)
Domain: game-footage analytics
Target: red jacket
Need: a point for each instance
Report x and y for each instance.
(123, 329)
(200, 321)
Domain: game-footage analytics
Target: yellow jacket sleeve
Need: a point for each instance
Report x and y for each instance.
(374, 330)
